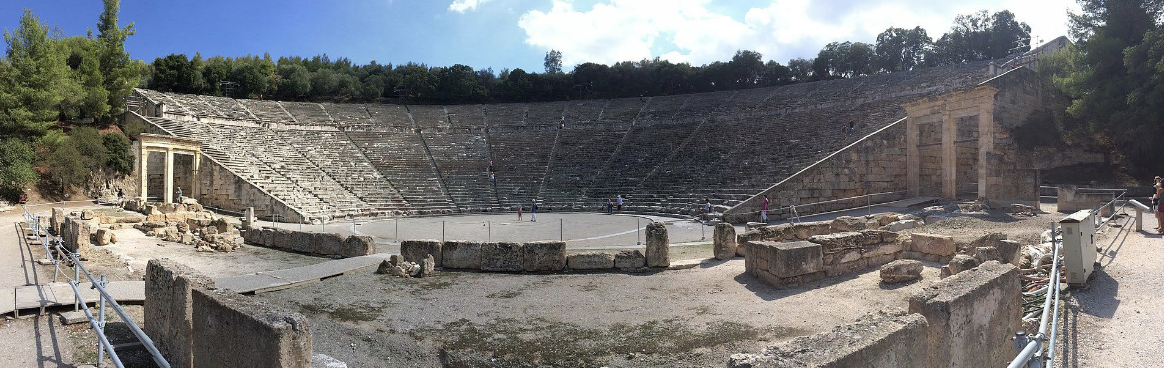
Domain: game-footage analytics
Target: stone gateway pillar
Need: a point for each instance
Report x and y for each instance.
(657, 248)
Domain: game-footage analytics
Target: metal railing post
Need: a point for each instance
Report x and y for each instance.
(638, 231)
(100, 323)
(442, 231)
(562, 229)
(397, 229)
(489, 230)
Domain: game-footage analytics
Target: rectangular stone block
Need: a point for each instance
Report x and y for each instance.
(842, 256)
(302, 241)
(789, 259)
(544, 256)
(281, 239)
(57, 219)
(881, 249)
(328, 244)
(231, 330)
(461, 255)
(168, 308)
(359, 245)
(416, 250)
(972, 316)
(590, 261)
(501, 257)
(846, 268)
(942, 245)
(630, 259)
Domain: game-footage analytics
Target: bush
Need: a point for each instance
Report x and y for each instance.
(15, 167)
(119, 159)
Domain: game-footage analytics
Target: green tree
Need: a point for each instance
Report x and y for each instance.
(801, 68)
(86, 96)
(295, 81)
(553, 62)
(900, 49)
(15, 167)
(981, 36)
(121, 73)
(119, 158)
(33, 79)
(177, 73)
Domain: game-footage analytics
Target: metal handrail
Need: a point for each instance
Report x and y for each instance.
(96, 323)
(868, 198)
(1034, 347)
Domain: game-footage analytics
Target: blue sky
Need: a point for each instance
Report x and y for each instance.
(517, 33)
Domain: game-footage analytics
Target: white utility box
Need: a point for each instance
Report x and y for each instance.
(1078, 246)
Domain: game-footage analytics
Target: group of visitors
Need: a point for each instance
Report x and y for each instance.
(613, 205)
(533, 211)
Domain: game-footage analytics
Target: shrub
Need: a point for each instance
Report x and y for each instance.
(67, 166)
(15, 167)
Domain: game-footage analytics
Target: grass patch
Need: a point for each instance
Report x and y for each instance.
(510, 342)
(357, 312)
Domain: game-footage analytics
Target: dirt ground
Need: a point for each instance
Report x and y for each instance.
(682, 318)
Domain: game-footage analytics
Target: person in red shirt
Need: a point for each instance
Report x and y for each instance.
(764, 209)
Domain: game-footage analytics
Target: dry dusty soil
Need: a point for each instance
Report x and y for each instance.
(680, 318)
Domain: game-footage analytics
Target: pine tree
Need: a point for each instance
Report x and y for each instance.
(33, 79)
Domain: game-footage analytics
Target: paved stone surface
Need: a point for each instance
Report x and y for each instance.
(280, 279)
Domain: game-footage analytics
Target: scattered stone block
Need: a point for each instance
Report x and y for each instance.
(901, 270)
(415, 250)
(73, 317)
(501, 257)
(57, 219)
(427, 266)
(385, 267)
(958, 264)
(329, 244)
(630, 259)
(847, 223)
(590, 261)
(805, 230)
(983, 254)
(461, 255)
(544, 256)
(941, 245)
(724, 238)
(104, 237)
(1010, 251)
(658, 250)
(788, 259)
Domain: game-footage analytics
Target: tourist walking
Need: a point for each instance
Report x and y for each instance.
(764, 209)
(609, 206)
(533, 211)
(1159, 208)
(179, 195)
(618, 202)
(519, 213)
(120, 196)
(706, 209)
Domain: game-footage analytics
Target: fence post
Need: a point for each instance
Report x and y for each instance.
(489, 235)
(561, 229)
(638, 231)
(101, 322)
(442, 231)
(397, 229)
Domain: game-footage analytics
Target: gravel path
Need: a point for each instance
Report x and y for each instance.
(1117, 320)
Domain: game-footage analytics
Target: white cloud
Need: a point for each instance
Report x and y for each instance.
(691, 31)
(462, 6)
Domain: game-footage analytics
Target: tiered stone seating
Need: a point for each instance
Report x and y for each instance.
(392, 145)
(664, 154)
(268, 111)
(228, 108)
(521, 142)
(460, 151)
(238, 160)
(336, 155)
(308, 113)
(347, 114)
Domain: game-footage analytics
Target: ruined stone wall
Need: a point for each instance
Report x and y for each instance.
(966, 320)
(168, 308)
(221, 188)
(194, 324)
(539, 256)
(327, 244)
(930, 158)
(1011, 174)
(874, 164)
